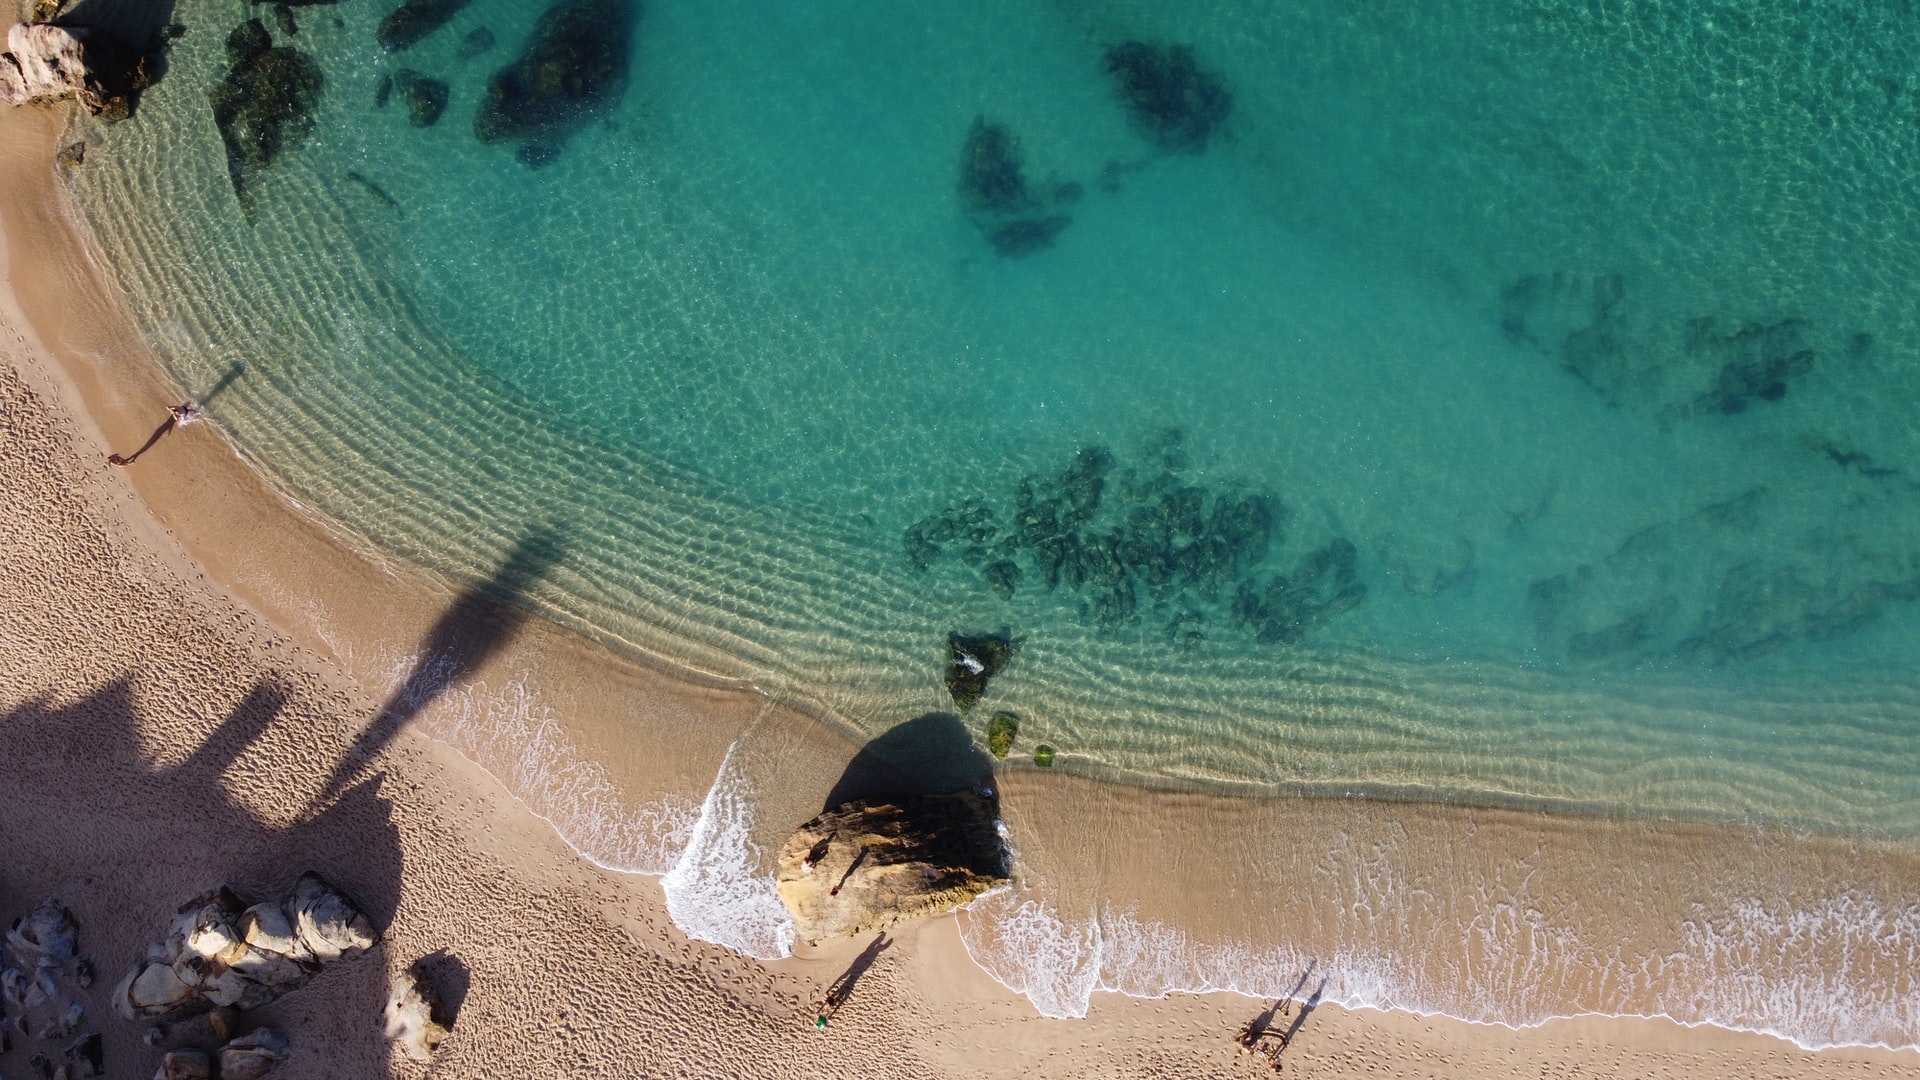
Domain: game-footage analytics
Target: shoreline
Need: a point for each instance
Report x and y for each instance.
(209, 522)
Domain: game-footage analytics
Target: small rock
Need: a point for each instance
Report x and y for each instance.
(283, 17)
(253, 1055)
(72, 154)
(150, 990)
(414, 1016)
(85, 1058)
(48, 932)
(328, 923)
(185, 1065)
(972, 660)
(476, 42)
(426, 97)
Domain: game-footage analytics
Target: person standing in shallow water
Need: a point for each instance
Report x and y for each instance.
(177, 415)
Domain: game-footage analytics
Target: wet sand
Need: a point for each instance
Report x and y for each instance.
(197, 681)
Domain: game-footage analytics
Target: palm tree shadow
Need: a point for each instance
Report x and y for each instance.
(476, 627)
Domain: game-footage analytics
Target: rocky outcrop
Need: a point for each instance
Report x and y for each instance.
(223, 953)
(872, 863)
(574, 68)
(56, 63)
(264, 106)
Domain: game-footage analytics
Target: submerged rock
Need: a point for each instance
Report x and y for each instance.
(574, 67)
(1027, 235)
(477, 41)
(426, 97)
(1174, 104)
(994, 193)
(990, 179)
(870, 864)
(283, 18)
(414, 20)
(264, 106)
(974, 660)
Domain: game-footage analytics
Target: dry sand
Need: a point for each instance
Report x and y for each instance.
(185, 662)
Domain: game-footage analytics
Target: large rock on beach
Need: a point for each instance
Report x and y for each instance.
(573, 69)
(221, 953)
(872, 863)
(55, 63)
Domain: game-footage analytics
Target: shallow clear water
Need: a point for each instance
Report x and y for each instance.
(1559, 353)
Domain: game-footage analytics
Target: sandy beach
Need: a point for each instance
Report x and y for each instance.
(203, 685)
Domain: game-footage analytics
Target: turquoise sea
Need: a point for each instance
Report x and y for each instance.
(1509, 405)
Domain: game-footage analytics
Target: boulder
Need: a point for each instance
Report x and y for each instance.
(221, 953)
(973, 660)
(45, 63)
(184, 1065)
(253, 1055)
(415, 1017)
(329, 924)
(46, 933)
(53, 63)
(872, 863)
(573, 69)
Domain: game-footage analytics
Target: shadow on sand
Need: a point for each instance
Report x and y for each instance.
(928, 755)
(479, 623)
(170, 831)
(129, 838)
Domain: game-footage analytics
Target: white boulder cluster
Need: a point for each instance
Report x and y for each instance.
(41, 977)
(222, 953)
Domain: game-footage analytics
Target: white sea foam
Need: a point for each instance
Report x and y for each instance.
(719, 890)
(1753, 967)
(521, 743)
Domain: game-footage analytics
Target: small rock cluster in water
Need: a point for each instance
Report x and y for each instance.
(994, 193)
(1174, 104)
(1137, 544)
(1702, 367)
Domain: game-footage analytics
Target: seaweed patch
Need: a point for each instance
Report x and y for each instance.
(1142, 544)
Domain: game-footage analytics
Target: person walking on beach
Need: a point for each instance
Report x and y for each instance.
(828, 1007)
(184, 413)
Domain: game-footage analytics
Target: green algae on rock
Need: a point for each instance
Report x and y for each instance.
(1000, 733)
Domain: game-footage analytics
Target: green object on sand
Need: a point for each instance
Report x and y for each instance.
(1000, 732)
(1043, 756)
